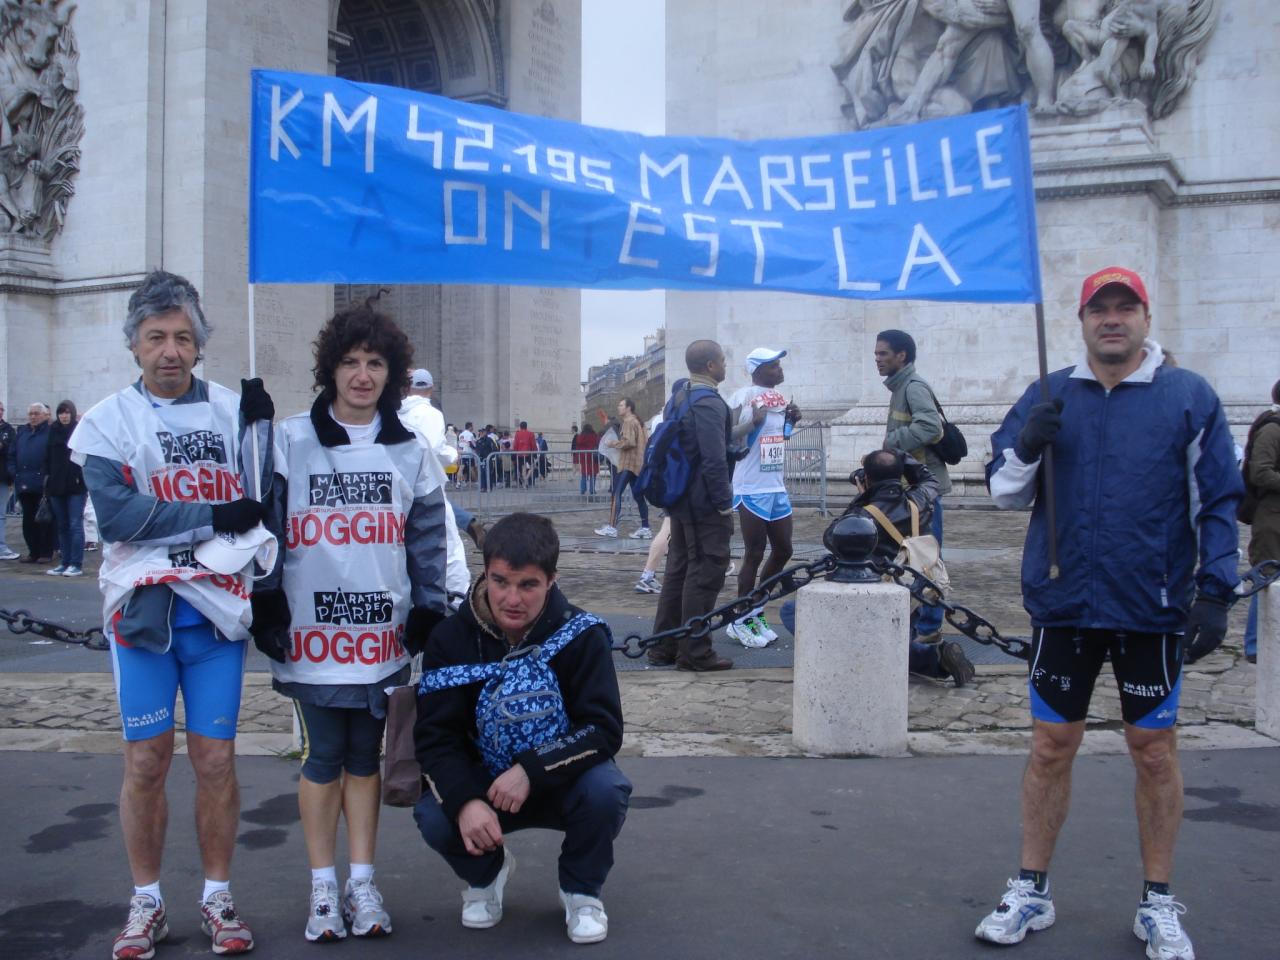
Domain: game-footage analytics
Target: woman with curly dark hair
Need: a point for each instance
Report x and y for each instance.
(361, 586)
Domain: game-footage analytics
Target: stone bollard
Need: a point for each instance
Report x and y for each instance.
(1268, 676)
(850, 691)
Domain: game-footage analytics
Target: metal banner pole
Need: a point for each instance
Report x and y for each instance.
(1050, 500)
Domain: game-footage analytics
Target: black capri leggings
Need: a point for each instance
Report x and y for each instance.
(339, 738)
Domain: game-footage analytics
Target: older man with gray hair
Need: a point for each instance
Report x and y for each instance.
(164, 463)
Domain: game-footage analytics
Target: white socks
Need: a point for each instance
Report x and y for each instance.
(324, 875)
(213, 886)
(361, 871)
(151, 890)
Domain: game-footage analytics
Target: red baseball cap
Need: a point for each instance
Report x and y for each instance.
(1106, 277)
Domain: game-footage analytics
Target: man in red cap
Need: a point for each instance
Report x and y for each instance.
(1147, 488)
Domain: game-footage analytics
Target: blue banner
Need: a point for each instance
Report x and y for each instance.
(361, 183)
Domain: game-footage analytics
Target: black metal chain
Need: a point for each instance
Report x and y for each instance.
(1258, 578)
(21, 621)
(973, 625)
(779, 585)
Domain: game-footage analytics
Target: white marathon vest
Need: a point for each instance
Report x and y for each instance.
(760, 471)
(177, 452)
(345, 569)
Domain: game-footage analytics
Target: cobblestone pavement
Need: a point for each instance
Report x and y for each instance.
(744, 711)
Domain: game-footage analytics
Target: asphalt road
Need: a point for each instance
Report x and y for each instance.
(744, 858)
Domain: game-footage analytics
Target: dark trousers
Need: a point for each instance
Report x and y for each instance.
(39, 536)
(628, 479)
(589, 811)
(696, 563)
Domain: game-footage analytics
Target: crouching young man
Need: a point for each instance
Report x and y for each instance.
(518, 640)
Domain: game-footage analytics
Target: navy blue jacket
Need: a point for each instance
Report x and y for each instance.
(27, 458)
(1147, 484)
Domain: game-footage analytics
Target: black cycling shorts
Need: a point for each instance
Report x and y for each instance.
(1065, 662)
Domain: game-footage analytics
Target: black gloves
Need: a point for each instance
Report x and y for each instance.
(255, 402)
(270, 627)
(1043, 424)
(238, 516)
(1206, 627)
(422, 620)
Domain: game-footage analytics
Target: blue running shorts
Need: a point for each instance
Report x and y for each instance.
(209, 671)
(766, 506)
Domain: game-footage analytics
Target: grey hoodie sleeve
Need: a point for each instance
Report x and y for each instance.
(424, 544)
(127, 516)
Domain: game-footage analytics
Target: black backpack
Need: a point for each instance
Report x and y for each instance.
(951, 447)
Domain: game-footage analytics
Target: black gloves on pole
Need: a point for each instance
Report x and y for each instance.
(1043, 424)
(1206, 627)
(255, 402)
(238, 516)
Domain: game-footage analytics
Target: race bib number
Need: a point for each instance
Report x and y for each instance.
(772, 453)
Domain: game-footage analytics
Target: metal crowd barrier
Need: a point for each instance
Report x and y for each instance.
(566, 481)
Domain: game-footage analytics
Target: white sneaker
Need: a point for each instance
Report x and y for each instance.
(648, 585)
(763, 628)
(9, 555)
(482, 906)
(733, 568)
(1158, 926)
(584, 917)
(363, 910)
(1021, 910)
(73, 572)
(324, 921)
(745, 632)
(606, 531)
(642, 533)
(57, 571)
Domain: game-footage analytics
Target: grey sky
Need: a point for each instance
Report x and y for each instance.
(624, 87)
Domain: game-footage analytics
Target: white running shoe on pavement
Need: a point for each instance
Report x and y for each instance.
(584, 917)
(1158, 926)
(9, 555)
(763, 628)
(219, 922)
(145, 928)
(324, 924)
(363, 911)
(648, 585)
(73, 572)
(1021, 910)
(482, 906)
(607, 531)
(642, 533)
(746, 633)
(57, 571)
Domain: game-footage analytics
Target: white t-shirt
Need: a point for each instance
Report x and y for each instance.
(760, 471)
(467, 440)
(360, 433)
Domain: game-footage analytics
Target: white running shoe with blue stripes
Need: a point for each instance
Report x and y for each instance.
(1158, 926)
(1021, 910)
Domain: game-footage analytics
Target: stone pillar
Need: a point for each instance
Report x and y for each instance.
(1268, 689)
(850, 690)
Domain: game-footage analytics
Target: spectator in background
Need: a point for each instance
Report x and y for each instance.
(585, 459)
(64, 486)
(27, 467)
(630, 445)
(1262, 474)
(524, 445)
(541, 441)
(7, 434)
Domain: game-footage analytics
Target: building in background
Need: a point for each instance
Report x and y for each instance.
(641, 378)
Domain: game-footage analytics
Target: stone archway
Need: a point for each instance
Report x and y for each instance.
(446, 47)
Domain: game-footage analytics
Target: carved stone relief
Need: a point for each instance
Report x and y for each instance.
(906, 60)
(40, 122)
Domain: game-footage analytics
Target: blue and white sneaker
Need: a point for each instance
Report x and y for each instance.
(1158, 926)
(1021, 909)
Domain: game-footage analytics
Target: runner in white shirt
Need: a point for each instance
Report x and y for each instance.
(763, 420)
